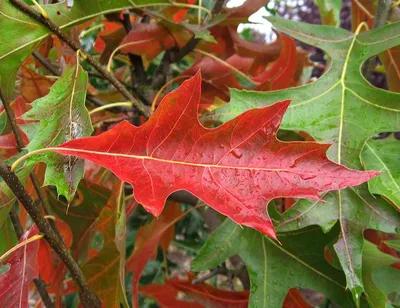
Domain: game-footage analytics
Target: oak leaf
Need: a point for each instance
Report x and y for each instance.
(236, 168)
(341, 108)
(23, 267)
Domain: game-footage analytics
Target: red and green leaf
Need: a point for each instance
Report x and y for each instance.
(236, 168)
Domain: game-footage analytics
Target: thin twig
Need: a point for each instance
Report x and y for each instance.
(172, 56)
(139, 106)
(54, 70)
(138, 73)
(16, 223)
(214, 272)
(50, 67)
(88, 298)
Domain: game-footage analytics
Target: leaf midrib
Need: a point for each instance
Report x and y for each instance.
(166, 161)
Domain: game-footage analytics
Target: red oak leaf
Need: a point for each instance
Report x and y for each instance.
(236, 168)
(282, 73)
(210, 296)
(159, 232)
(218, 74)
(166, 296)
(148, 40)
(262, 53)
(218, 78)
(23, 267)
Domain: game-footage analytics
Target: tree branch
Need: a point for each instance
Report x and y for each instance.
(54, 70)
(172, 56)
(136, 61)
(214, 272)
(87, 297)
(140, 107)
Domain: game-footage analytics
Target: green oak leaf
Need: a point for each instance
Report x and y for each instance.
(356, 210)
(341, 107)
(344, 109)
(63, 116)
(24, 34)
(274, 268)
(108, 281)
(384, 155)
(374, 259)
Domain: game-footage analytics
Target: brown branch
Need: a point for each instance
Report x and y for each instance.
(138, 73)
(139, 106)
(49, 66)
(87, 297)
(214, 272)
(16, 223)
(172, 56)
(94, 100)
(41, 287)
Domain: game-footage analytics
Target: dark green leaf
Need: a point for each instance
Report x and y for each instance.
(275, 268)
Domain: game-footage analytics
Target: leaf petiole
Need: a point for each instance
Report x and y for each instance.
(112, 105)
(19, 245)
(24, 157)
(123, 46)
